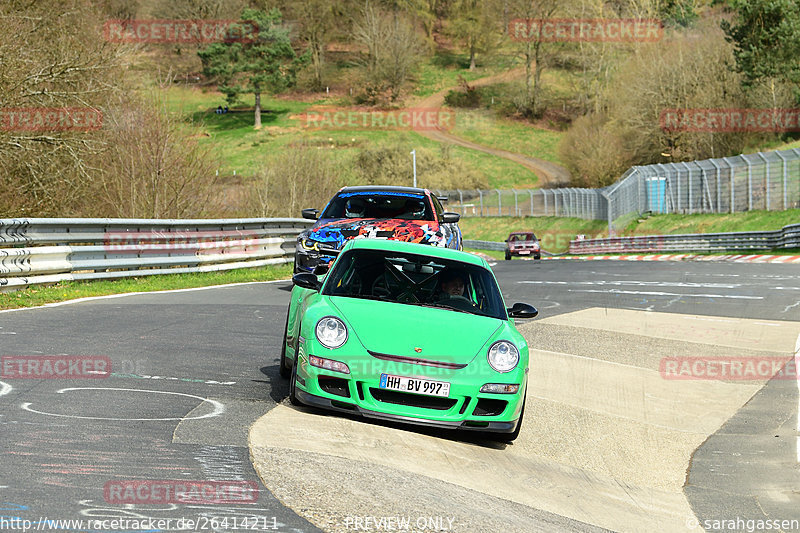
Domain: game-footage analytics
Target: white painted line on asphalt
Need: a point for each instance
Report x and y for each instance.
(646, 293)
(218, 407)
(110, 296)
(5, 388)
(640, 283)
(797, 380)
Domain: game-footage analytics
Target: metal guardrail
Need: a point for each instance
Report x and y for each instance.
(787, 237)
(483, 245)
(50, 250)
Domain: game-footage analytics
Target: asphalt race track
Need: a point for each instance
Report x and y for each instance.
(609, 441)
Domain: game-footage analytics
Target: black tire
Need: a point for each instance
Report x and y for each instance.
(537, 257)
(284, 370)
(293, 386)
(508, 255)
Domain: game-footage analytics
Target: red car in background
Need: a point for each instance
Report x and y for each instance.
(523, 244)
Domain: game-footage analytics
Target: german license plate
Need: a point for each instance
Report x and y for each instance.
(524, 252)
(415, 385)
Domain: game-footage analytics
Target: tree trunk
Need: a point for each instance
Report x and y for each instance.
(472, 58)
(258, 111)
(316, 61)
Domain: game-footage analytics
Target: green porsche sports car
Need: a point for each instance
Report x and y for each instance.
(407, 332)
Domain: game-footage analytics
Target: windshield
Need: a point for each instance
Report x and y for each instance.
(416, 280)
(377, 204)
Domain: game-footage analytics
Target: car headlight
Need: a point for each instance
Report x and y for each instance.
(503, 356)
(308, 244)
(331, 332)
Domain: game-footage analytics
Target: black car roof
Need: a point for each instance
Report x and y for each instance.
(382, 188)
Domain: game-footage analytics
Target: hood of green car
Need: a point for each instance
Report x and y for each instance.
(417, 332)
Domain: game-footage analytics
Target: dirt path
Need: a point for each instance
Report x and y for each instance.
(550, 174)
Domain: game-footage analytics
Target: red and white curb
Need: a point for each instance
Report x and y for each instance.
(686, 257)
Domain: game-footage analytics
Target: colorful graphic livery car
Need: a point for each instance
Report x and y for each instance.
(397, 213)
(407, 332)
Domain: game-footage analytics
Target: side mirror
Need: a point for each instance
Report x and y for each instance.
(307, 280)
(311, 214)
(450, 218)
(520, 310)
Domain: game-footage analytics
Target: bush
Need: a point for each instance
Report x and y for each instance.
(392, 165)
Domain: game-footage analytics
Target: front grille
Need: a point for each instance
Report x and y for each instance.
(489, 407)
(332, 385)
(412, 400)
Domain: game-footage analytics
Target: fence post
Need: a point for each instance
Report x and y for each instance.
(516, 206)
(530, 191)
(480, 193)
(688, 185)
(461, 201)
(749, 183)
(766, 180)
(732, 182)
(555, 203)
(716, 166)
(785, 169)
(499, 203)
(608, 213)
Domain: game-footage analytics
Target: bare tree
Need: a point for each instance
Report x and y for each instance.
(152, 168)
(393, 47)
(64, 63)
(533, 48)
(298, 178)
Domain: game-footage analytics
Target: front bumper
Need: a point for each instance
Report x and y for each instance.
(345, 407)
(306, 261)
(465, 408)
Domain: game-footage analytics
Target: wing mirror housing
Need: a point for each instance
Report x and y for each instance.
(306, 280)
(520, 310)
(450, 218)
(311, 214)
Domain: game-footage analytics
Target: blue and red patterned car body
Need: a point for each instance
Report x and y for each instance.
(378, 212)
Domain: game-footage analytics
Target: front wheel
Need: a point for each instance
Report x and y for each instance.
(284, 370)
(293, 399)
(508, 255)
